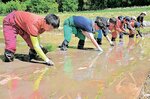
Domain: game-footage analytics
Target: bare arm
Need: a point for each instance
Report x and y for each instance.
(91, 37)
(108, 39)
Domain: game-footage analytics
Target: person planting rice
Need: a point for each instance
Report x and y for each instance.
(29, 26)
(137, 25)
(140, 18)
(127, 24)
(83, 27)
(116, 27)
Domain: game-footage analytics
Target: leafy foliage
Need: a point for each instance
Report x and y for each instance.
(70, 5)
(11, 5)
(2, 8)
(15, 5)
(44, 6)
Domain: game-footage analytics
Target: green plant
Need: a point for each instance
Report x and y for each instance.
(28, 5)
(49, 47)
(44, 6)
(14, 5)
(70, 5)
(2, 8)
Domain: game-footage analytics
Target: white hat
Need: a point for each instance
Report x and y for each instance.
(144, 13)
(133, 17)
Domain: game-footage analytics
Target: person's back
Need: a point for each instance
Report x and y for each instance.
(83, 23)
(29, 22)
(82, 27)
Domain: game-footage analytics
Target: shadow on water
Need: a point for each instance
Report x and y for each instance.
(75, 47)
(22, 57)
(25, 58)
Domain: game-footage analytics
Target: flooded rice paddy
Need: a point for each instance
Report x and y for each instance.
(117, 73)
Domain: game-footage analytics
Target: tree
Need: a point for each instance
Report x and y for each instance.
(70, 5)
(44, 6)
(80, 5)
(60, 9)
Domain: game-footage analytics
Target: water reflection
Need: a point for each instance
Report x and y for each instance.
(12, 81)
(80, 69)
(36, 92)
(99, 65)
(128, 87)
(68, 67)
(115, 55)
(122, 54)
(130, 84)
(83, 74)
(135, 49)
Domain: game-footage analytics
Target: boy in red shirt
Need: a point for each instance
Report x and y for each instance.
(29, 26)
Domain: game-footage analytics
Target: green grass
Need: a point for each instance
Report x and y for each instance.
(1, 20)
(145, 30)
(129, 11)
(50, 47)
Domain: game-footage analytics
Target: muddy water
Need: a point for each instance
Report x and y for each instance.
(117, 73)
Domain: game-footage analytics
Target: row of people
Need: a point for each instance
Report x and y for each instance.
(29, 26)
(83, 27)
(122, 25)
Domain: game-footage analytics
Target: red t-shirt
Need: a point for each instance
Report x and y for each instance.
(29, 22)
(132, 23)
(118, 27)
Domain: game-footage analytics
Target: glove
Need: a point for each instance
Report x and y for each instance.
(64, 45)
(49, 63)
(63, 48)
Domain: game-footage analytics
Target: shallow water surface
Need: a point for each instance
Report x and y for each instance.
(117, 73)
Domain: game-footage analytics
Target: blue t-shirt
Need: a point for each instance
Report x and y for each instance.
(83, 23)
(137, 24)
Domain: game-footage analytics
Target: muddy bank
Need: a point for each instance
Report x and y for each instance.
(145, 91)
